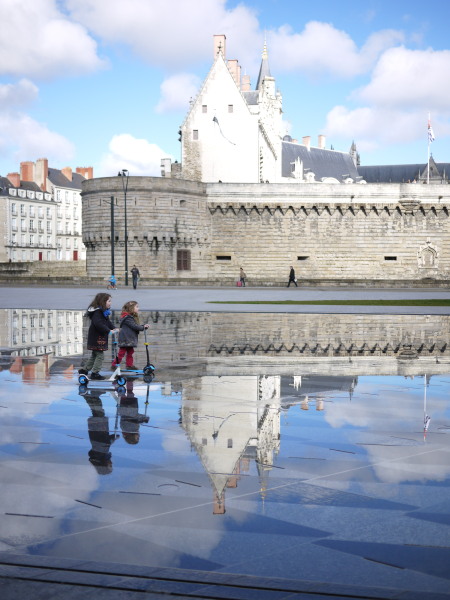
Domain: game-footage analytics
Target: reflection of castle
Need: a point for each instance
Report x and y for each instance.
(233, 420)
(32, 340)
(228, 420)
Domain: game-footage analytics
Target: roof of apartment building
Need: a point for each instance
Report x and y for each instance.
(320, 161)
(5, 184)
(58, 179)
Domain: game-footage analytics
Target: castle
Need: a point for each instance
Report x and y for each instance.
(244, 195)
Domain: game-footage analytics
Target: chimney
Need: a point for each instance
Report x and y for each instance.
(306, 139)
(14, 178)
(67, 171)
(322, 142)
(220, 45)
(41, 173)
(27, 170)
(235, 70)
(86, 172)
(246, 83)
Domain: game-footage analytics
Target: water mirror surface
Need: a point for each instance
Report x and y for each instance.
(310, 447)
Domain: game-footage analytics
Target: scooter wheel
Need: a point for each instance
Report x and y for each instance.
(82, 389)
(121, 390)
(121, 380)
(148, 378)
(149, 370)
(83, 380)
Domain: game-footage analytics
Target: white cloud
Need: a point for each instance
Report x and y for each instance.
(22, 93)
(410, 78)
(38, 40)
(137, 155)
(176, 92)
(405, 86)
(172, 34)
(23, 138)
(322, 49)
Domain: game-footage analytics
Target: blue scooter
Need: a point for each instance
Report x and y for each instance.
(148, 371)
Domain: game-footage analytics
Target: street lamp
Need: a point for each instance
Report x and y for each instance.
(125, 174)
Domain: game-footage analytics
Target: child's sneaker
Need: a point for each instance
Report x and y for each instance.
(97, 376)
(114, 365)
(83, 371)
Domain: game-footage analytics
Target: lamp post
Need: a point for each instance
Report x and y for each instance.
(112, 235)
(125, 174)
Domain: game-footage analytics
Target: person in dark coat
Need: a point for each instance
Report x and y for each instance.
(130, 417)
(99, 435)
(292, 278)
(98, 312)
(128, 334)
(135, 274)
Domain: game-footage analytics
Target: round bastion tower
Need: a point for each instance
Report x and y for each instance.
(167, 227)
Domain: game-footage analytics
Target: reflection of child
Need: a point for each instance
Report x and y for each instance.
(99, 329)
(128, 336)
(130, 419)
(99, 436)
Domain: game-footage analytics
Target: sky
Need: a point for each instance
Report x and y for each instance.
(107, 83)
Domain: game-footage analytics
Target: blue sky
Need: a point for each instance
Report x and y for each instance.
(106, 83)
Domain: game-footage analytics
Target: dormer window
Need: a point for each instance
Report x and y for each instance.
(204, 108)
(230, 108)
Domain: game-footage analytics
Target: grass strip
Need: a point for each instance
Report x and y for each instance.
(409, 302)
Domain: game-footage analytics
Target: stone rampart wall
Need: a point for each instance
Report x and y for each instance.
(384, 232)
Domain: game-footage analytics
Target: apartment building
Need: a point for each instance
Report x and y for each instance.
(41, 213)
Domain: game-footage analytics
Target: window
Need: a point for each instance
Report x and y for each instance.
(32, 211)
(222, 257)
(390, 258)
(23, 212)
(58, 195)
(49, 213)
(230, 108)
(204, 108)
(31, 225)
(23, 225)
(183, 260)
(14, 224)
(195, 134)
(302, 258)
(31, 239)
(14, 208)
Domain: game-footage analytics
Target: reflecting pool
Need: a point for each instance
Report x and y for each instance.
(312, 447)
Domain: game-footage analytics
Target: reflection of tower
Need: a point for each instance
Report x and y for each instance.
(225, 418)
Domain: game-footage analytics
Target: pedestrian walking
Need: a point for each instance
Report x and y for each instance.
(292, 278)
(135, 274)
(242, 277)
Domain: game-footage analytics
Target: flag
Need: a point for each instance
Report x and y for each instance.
(430, 132)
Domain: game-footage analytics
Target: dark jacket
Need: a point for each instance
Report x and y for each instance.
(129, 331)
(98, 330)
(292, 275)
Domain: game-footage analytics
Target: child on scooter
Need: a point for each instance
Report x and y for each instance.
(128, 334)
(98, 312)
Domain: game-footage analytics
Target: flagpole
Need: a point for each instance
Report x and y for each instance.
(428, 160)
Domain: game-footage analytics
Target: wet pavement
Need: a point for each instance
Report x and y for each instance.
(272, 456)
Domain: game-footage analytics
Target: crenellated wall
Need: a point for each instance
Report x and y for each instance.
(341, 233)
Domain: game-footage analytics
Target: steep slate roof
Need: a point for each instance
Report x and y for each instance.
(58, 179)
(398, 173)
(4, 185)
(322, 162)
(251, 97)
(264, 70)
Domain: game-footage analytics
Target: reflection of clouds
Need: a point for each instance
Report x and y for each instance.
(391, 413)
(40, 488)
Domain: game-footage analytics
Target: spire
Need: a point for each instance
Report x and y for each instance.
(264, 70)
